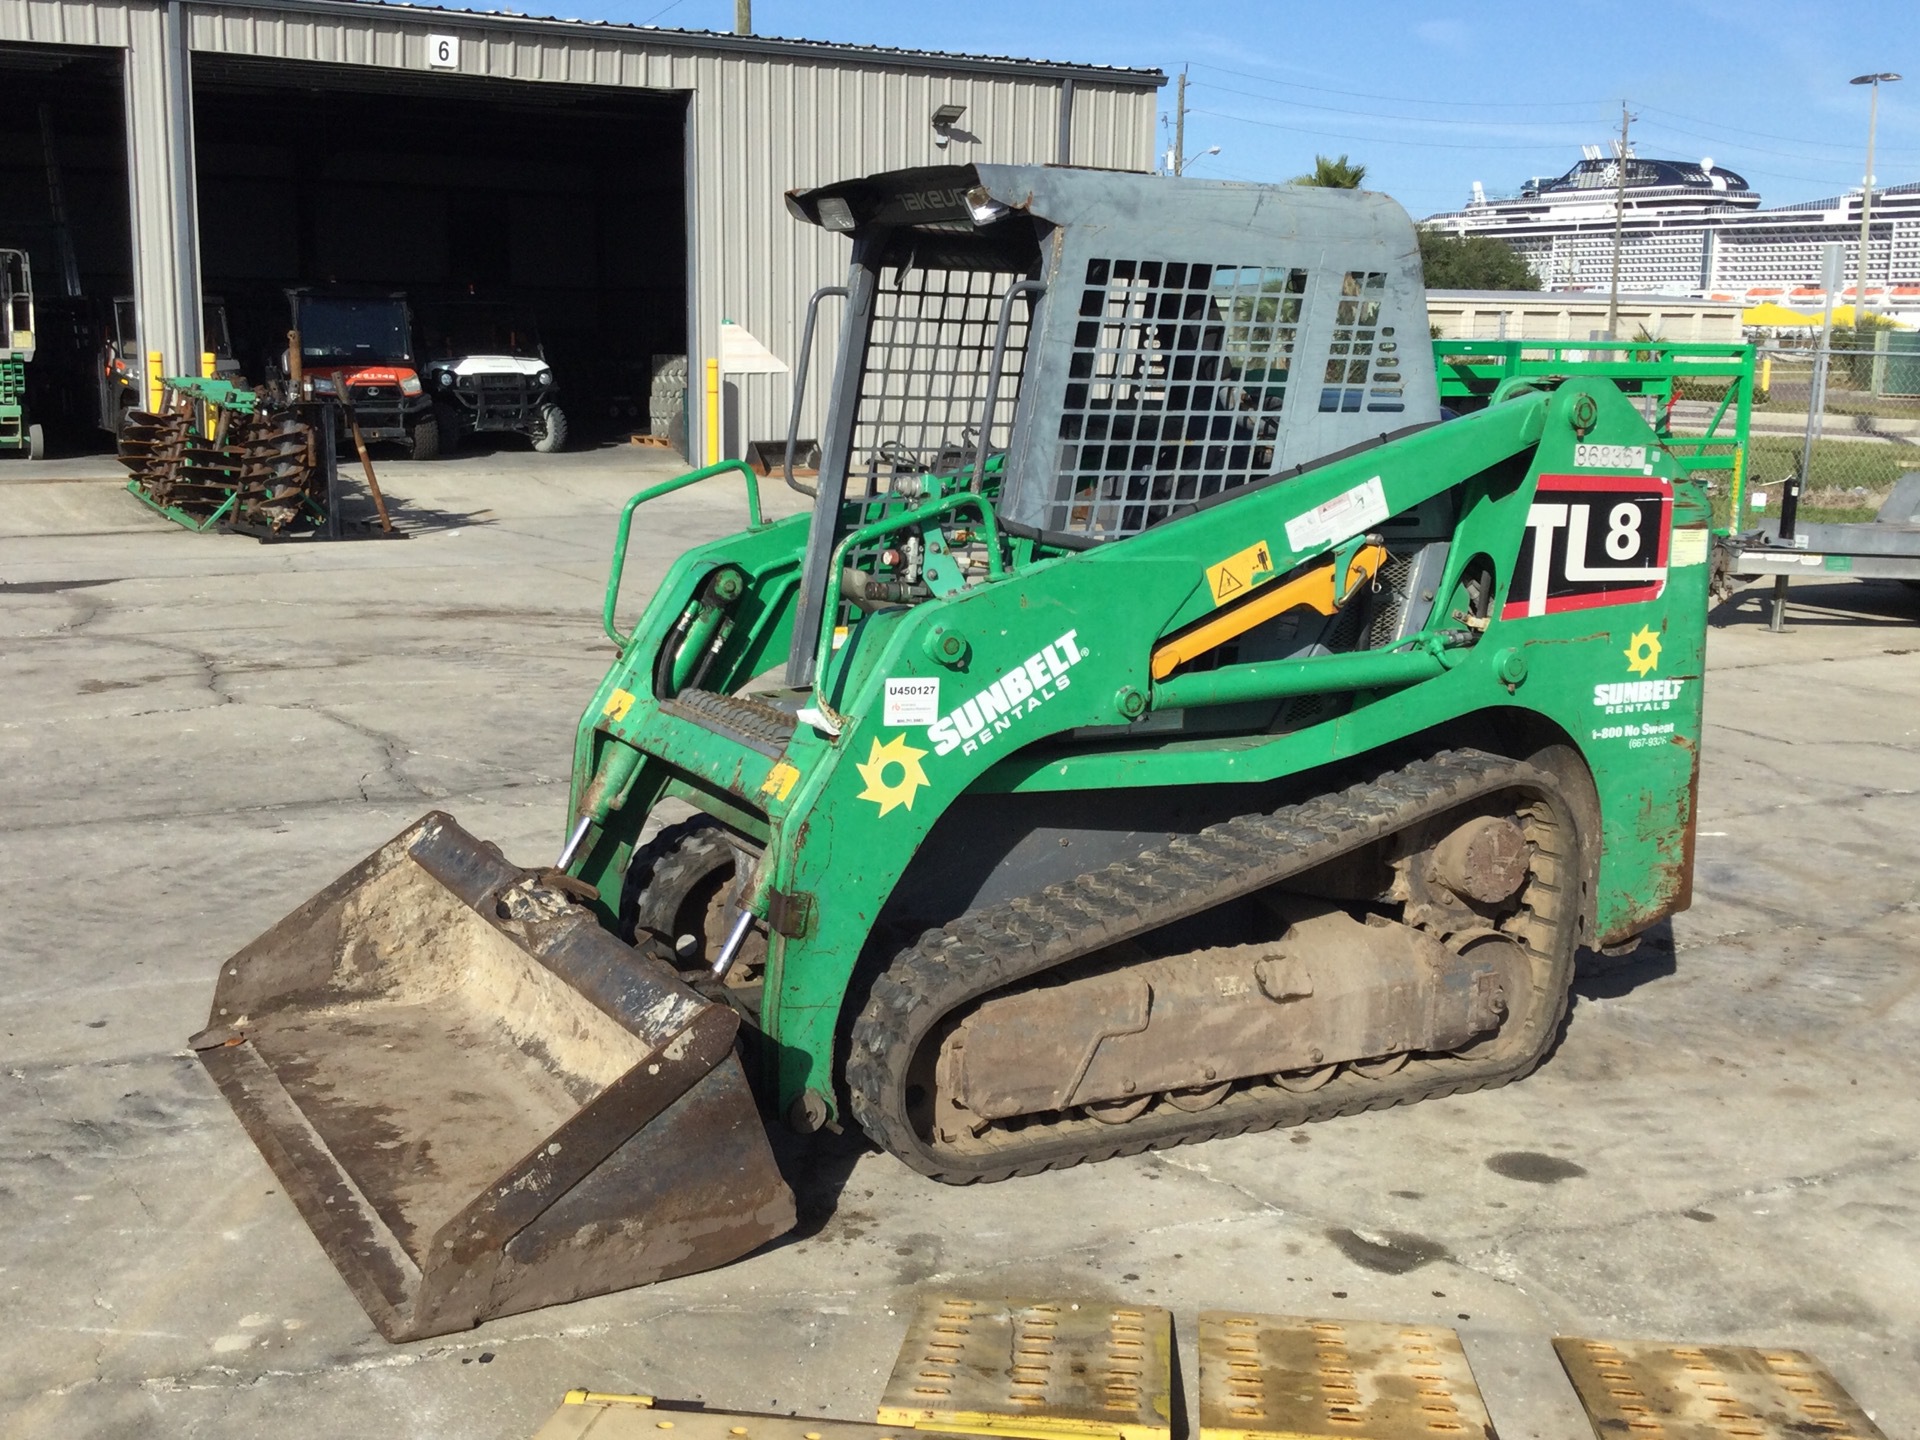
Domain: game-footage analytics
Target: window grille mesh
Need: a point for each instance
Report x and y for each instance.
(929, 365)
(1363, 362)
(1174, 389)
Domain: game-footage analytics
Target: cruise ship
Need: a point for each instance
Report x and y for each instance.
(1689, 227)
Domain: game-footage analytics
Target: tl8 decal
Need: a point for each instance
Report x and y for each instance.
(1592, 540)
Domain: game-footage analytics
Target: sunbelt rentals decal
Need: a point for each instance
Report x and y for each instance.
(1648, 695)
(1019, 692)
(892, 770)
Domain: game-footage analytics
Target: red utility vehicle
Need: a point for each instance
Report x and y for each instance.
(362, 345)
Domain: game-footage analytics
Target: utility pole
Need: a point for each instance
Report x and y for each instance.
(1180, 124)
(1619, 223)
(743, 17)
(1866, 200)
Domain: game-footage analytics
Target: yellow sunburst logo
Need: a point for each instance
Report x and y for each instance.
(904, 760)
(1643, 652)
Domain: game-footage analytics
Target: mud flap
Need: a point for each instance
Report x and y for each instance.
(480, 1100)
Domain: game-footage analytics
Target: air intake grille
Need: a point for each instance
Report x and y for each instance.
(1390, 601)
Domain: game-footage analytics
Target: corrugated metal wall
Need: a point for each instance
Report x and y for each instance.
(65, 22)
(761, 129)
(761, 124)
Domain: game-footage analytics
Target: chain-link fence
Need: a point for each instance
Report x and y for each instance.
(1863, 416)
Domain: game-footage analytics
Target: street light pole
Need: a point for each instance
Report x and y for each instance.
(1866, 196)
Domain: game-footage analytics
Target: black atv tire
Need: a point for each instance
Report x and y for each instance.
(453, 427)
(552, 434)
(423, 441)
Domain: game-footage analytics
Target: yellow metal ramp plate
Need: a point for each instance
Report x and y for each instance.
(1035, 1368)
(1654, 1391)
(589, 1415)
(1285, 1377)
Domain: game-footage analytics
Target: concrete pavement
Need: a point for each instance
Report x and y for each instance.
(198, 731)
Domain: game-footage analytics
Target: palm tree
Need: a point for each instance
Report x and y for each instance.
(1333, 174)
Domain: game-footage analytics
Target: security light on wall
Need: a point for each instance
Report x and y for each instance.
(945, 117)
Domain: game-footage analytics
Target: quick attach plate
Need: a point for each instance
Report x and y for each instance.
(591, 1415)
(1655, 1391)
(1268, 1377)
(1035, 1368)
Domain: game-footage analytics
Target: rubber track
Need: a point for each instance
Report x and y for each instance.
(986, 950)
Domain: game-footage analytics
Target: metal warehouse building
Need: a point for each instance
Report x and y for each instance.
(624, 183)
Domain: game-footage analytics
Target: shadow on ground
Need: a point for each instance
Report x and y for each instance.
(1599, 975)
(1851, 603)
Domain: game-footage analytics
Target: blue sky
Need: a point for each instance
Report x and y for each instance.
(1433, 96)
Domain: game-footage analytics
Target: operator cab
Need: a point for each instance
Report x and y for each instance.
(1047, 335)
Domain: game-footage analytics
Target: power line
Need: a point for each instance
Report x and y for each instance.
(1397, 99)
(1375, 115)
(1734, 138)
(1656, 132)
(1754, 149)
(1364, 139)
(1763, 134)
(1721, 140)
(1737, 137)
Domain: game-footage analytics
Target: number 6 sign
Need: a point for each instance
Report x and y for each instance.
(443, 52)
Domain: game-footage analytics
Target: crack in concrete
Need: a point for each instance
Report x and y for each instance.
(90, 609)
(1787, 923)
(391, 747)
(219, 1377)
(122, 819)
(1824, 742)
(141, 1201)
(1174, 1161)
(1782, 1185)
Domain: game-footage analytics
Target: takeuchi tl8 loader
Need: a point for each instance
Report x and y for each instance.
(1164, 726)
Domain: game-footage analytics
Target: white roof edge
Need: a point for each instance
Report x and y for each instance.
(1143, 79)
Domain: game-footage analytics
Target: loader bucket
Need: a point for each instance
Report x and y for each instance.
(480, 1100)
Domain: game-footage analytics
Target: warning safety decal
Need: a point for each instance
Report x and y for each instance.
(1592, 540)
(1239, 573)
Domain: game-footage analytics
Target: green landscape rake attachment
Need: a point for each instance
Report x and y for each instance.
(257, 472)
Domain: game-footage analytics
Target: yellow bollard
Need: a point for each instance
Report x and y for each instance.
(1766, 372)
(154, 392)
(209, 368)
(713, 412)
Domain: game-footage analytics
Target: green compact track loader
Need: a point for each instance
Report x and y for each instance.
(18, 432)
(1164, 725)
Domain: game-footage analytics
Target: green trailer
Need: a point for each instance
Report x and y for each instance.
(1697, 396)
(1165, 724)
